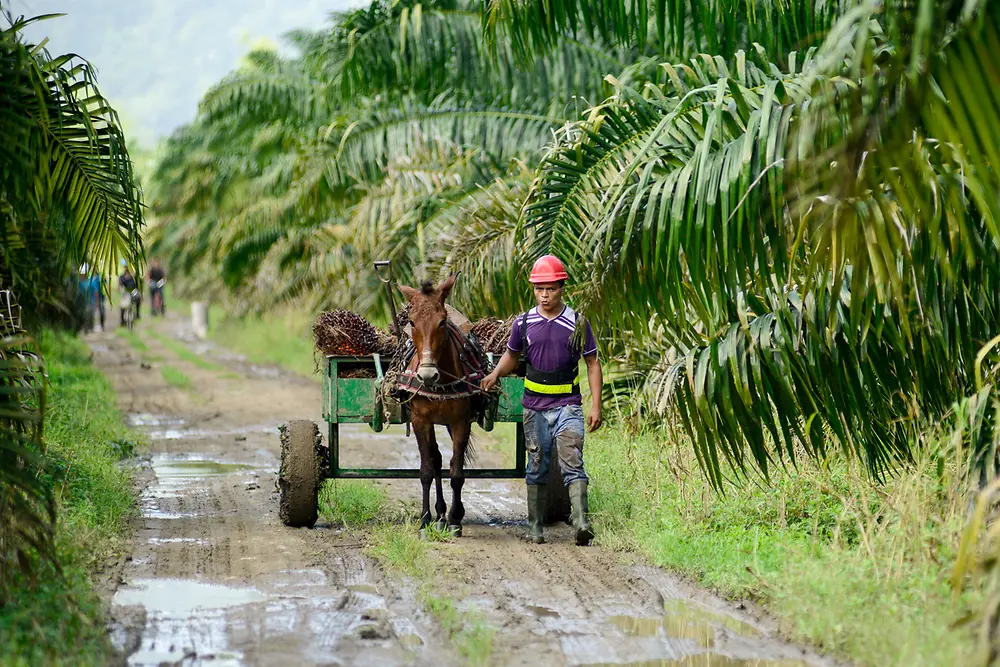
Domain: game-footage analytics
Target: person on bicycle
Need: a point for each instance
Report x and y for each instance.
(126, 281)
(156, 276)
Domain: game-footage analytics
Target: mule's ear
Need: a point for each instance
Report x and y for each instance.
(408, 292)
(446, 285)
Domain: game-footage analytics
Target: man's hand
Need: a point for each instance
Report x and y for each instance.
(594, 419)
(489, 381)
(506, 366)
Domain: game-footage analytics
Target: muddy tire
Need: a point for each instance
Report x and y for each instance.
(301, 473)
(557, 508)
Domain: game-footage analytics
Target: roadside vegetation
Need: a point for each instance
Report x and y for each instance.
(175, 377)
(70, 208)
(861, 570)
(56, 616)
(282, 339)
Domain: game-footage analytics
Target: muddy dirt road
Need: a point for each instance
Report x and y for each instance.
(215, 579)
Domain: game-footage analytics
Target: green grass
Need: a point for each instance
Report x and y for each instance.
(133, 340)
(175, 377)
(351, 502)
(60, 621)
(471, 637)
(400, 548)
(395, 542)
(182, 351)
(856, 569)
(283, 339)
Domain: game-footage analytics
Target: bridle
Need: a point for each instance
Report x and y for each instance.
(459, 386)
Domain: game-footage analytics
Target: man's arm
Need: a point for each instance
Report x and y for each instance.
(507, 365)
(595, 379)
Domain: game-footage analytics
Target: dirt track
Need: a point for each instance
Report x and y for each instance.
(215, 579)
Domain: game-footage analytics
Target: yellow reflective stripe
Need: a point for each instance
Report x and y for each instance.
(539, 388)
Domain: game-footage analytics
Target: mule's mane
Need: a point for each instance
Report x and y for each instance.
(427, 302)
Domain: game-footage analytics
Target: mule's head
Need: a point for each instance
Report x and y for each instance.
(428, 324)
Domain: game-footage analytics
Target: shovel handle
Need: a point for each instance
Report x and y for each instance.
(387, 280)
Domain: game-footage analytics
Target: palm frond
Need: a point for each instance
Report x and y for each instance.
(678, 28)
(364, 145)
(27, 504)
(64, 150)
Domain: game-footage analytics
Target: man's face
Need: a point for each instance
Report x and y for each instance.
(548, 295)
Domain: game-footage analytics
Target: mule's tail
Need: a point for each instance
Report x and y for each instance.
(471, 453)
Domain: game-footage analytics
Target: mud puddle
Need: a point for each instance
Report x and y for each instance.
(168, 469)
(180, 597)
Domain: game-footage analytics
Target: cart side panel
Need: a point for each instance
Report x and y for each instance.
(355, 399)
(512, 391)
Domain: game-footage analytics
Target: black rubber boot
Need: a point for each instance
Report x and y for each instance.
(581, 522)
(537, 494)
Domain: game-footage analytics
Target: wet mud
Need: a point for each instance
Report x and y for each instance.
(216, 579)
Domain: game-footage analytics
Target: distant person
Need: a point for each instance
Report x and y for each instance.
(90, 293)
(157, 278)
(98, 287)
(126, 281)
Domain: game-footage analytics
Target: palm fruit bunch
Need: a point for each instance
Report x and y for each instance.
(493, 334)
(403, 317)
(341, 332)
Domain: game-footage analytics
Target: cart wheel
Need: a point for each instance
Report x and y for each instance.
(558, 507)
(301, 473)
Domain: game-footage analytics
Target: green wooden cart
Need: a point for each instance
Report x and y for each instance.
(352, 395)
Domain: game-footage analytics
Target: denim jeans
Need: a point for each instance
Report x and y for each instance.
(562, 426)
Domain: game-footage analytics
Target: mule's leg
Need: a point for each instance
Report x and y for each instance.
(460, 434)
(426, 443)
(439, 507)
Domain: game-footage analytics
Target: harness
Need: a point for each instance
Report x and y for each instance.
(473, 363)
(563, 381)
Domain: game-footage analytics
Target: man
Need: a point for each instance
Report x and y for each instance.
(90, 291)
(126, 281)
(155, 275)
(553, 338)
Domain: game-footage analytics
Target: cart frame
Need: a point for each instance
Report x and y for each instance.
(359, 401)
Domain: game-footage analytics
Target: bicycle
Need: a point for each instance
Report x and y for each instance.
(157, 307)
(130, 300)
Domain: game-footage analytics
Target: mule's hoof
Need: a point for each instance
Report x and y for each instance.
(455, 530)
(423, 533)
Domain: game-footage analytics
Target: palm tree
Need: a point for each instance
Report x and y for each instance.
(67, 189)
(787, 281)
(396, 106)
(768, 215)
(67, 196)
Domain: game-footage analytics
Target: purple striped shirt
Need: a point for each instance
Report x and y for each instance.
(549, 349)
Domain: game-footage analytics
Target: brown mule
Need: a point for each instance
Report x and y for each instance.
(438, 369)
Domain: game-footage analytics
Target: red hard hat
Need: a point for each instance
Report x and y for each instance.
(548, 269)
